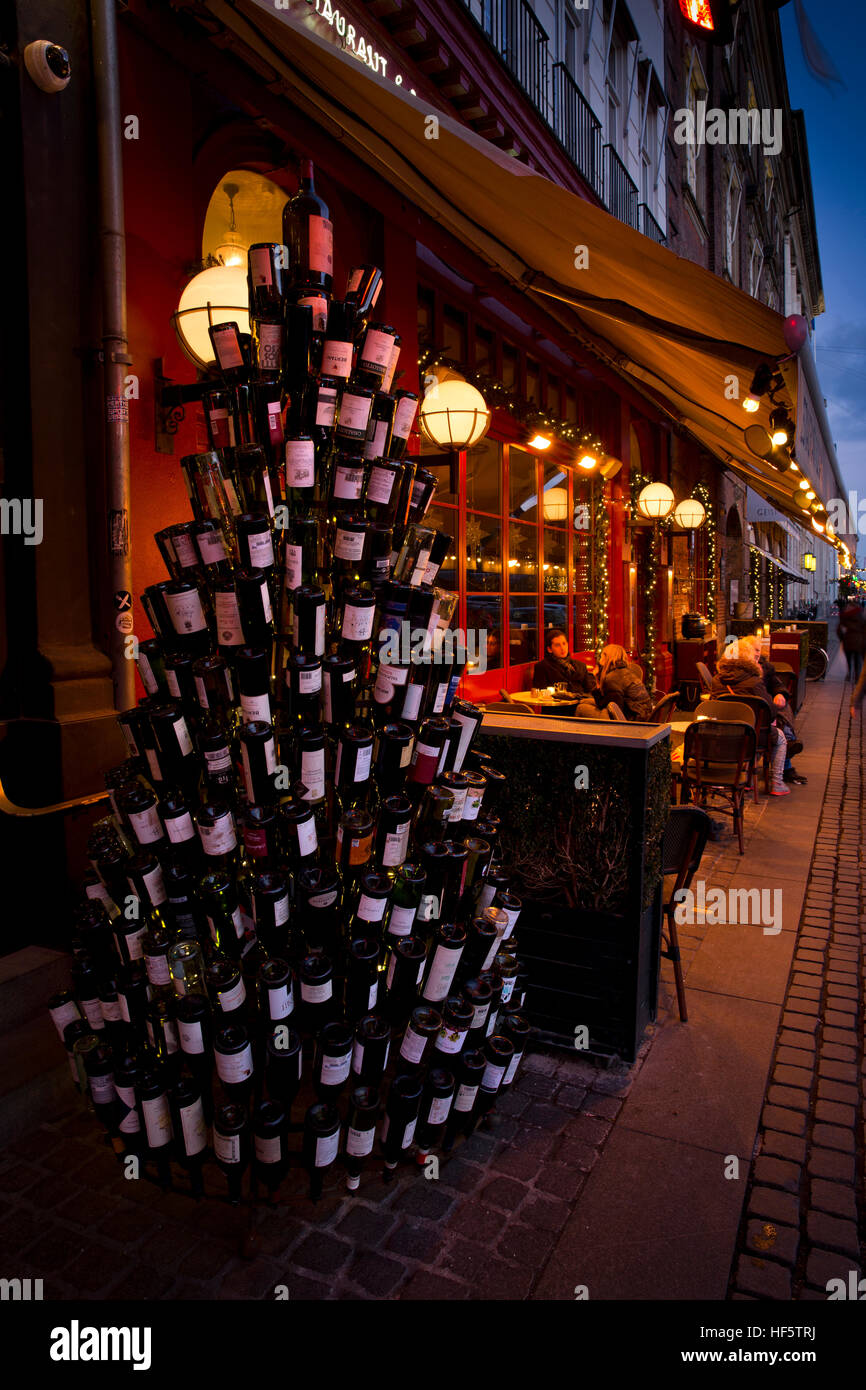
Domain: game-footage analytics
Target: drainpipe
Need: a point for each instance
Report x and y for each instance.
(115, 358)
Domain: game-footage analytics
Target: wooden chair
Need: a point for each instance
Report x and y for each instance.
(717, 757)
(506, 707)
(664, 708)
(727, 707)
(706, 677)
(614, 712)
(683, 844)
(762, 717)
(509, 699)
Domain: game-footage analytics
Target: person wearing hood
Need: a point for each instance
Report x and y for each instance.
(738, 672)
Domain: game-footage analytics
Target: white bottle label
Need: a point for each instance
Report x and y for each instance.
(466, 735)
(354, 415)
(316, 994)
(300, 463)
(184, 549)
(335, 1069)
(280, 1002)
(358, 622)
(102, 1089)
(508, 988)
(172, 682)
(313, 774)
(270, 345)
(450, 1039)
(294, 566)
(359, 1142)
(157, 1121)
(472, 805)
(227, 1147)
(219, 760)
(211, 547)
(194, 1128)
(373, 996)
(372, 909)
(219, 838)
(319, 305)
(308, 841)
(327, 1148)
(256, 707)
(191, 1037)
(349, 545)
(408, 1134)
(324, 899)
(310, 680)
(455, 812)
(320, 239)
(184, 741)
(261, 548)
(93, 1013)
(326, 406)
(376, 350)
(147, 825)
(348, 482)
(396, 848)
(412, 1046)
(281, 910)
(387, 681)
(227, 348)
(260, 266)
(154, 886)
(374, 449)
(442, 972)
(186, 612)
(236, 1066)
(440, 1108)
(157, 970)
(440, 696)
(512, 914)
(228, 621)
(148, 680)
(401, 921)
(465, 1098)
(479, 1015)
(336, 359)
(492, 1078)
(404, 416)
(232, 998)
(412, 701)
(268, 1149)
(131, 1123)
(512, 1068)
(180, 828)
(420, 568)
(358, 1058)
(111, 1010)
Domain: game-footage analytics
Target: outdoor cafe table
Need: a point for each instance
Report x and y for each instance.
(544, 700)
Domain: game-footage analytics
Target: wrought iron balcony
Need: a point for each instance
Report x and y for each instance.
(620, 191)
(650, 227)
(578, 129)
(522, 43)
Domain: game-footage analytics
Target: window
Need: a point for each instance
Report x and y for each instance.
(485, 350)
(426, 318)
(768, 182)
(733, 198)
(696, 91)
(510, 367)
(454, 339)
(756, 264)
(533, 381)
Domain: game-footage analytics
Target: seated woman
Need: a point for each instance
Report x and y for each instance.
(558, 666)
(738, 672)
(619, 684)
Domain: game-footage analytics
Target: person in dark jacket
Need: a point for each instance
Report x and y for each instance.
(851, 630)
(620, 685)
(738, 673)
(558, 667)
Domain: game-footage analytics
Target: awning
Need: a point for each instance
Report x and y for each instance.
(786, 571)
(661, 321)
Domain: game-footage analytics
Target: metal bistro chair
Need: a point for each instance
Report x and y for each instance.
(763, 719)
(664, 708)
(717, 757)
(706, 677)
(506, 707)
(683, 845)
(614, 712)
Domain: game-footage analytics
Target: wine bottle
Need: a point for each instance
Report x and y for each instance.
(309, 234)
(231, 351)
(318, 895)
(449, 944)
(408, 884)
(436, 1102)
(220, 902)
(457, 1018)
(270, 902)
(258, 761)
(479, 994)
(363, 287)
(392, 846)
(361, 977)
(254, 683)
(270, 1146)
(190, 1130)
(374, 354)
(153, 1100)
(267, 263)
(130, 1124)
(401, 1117)
(276, 993)
(404, 418)
(333, 1060)
(99, 1068)
(260, 832)
(234, 1062)
(316, 978)
(162, 1036)
(473, 1064)
(338, 350)
(371, 1049)
(423, 1026)
(406, 959)
(283, 1065)
(498, 1053)
(321, 1143)
(360, 1133)
(353, 419)
(231, 1145)
(227, 991)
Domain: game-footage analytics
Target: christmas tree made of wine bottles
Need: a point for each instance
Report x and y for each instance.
(297, 900)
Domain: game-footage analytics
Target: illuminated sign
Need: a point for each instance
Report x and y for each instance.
(352, 41)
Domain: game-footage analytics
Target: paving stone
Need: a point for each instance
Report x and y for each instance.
(206, 1260)
(794, 1098)
(833, 1197)
(836, 1018)
(837, 1069)
(766, 1202)
(546, 1213)
(783, 1145)
(833, 1233)
(605, 1107)
(18, 1231)
(777, 1173)
(504, 1193)
(255, 1279)
(321, 1253)
(528, 1245)
(824, 1265)
(537, 1085)
(793, 1076)
(588, 1129)
(480, 1148)
(506, 1282)
(799, 1021)
(54, 1250)
(513, 1103)
(559, 1180)
(143, 1282)
(166, 1246)
(846, 1036)
(418, 1240)
(545, 1115)
(366, 1227)
(424, 1199)
(517, 1164)
(789, 1121)
(830, 1164)
(834, 1090)
(44, 1192)
(833, 1113)
(773, 1241)
(763, 1278)
(304, 1290)
(377, 1274)
(503, 1128)
(544, 1063)
(614, 1082)
(833, 1137)
(796, 1042)
(573, 1097)
(463, 1176)
(576, 1157)
(94, 1268)
(427, 1287)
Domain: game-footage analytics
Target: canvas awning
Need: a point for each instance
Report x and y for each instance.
(786, 571)
(671, 326)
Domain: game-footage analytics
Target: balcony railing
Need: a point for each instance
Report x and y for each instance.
(577, 128)
(649, 226)
(620, 191)
(523, 44)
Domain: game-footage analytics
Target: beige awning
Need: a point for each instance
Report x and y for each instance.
(672, 327)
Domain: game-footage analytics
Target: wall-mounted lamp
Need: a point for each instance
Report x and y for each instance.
(454, 415)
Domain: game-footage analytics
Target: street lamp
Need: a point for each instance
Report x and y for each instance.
(454, 415)
(655, 501)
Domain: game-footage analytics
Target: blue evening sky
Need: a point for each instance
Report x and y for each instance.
(835, 134)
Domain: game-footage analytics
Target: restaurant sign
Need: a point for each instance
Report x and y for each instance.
(331, 21)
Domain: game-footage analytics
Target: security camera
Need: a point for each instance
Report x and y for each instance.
(48, 65)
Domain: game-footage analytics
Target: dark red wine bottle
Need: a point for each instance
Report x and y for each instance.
(309, 234)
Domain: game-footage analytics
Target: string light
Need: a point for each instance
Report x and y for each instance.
(700, 492)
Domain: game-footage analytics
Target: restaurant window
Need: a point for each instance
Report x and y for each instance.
(570, 403)
(454, 339)
(485, 350)
(484, 477)
(733, 199)
(552, 394)
(510, 367)
(426, 318)
(533, 381)
(696, 91)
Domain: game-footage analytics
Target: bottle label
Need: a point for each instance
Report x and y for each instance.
(261, 548)
(180, 828)
(392, 367)
(147, 825)
(153, 764)
(317, 994)
(157, 1121)
(324, 899)
(439, 697)
(93, 1013)
(374, 449)
(387, 680)
(157, 969)
(308, 841)
(430, 573)
(354, 419)
(276, 436)
(442, 972)
(319, 305)
(512, 914)
(401, 921)
(492, 1078)
(512, 1069)
(465, 1098)
(440, 1108)
(326, 405)
(472, 804)
(184, 742)
(358, 622)
(349, 545)
(294, 558)
(348, 482)
(467, 733)
(413, 1045)
(111, 1010)
(310, 681)
(124, 1008)
(376, 351)
(260, 266)
(358, 1058)
(373, 995)
(227, 1147)
(412, 701)
(404, 416)
(408, 1134)
(327, 1148)
(335, 1070)
(131, 1123)
(184, 549)
(281, 910)
(102, 1090)
(321, 244)
(186, 612)
(479, 1015)
(425, 759)
(235, 1067)
(270, 337)
(134, 947)
(256, 707)
(228, 622)
(211, 547)
(220, 428)
(319, 644)
(191, 1037)
(420, 567)
(228, 348)
(491, 1022)
(231, 999)
(313, 774)
(394, 854)
(219, 838)
(359, 1142)
(255, 841)
(217, 760)
(450, 1039)
(300, 463)
(337, 359)
(371, 909)
(280, 1002)
(508, 988)
(268, 1148)
(455, 810)
(381, 483)
(148, 679)
(194, 1128)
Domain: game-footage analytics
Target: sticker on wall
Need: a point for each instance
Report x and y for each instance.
(122, 600)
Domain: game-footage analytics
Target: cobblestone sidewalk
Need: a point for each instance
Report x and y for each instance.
(801, 1226)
